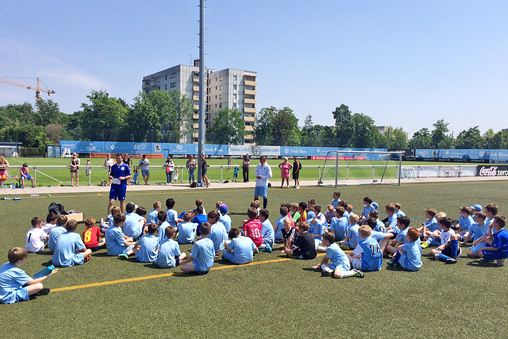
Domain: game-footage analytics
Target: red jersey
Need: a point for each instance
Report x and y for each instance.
(252, 229)
(91, 236)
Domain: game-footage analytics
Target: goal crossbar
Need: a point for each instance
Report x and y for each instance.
(336, 153)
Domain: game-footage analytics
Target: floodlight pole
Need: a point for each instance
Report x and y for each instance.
(336, 167)
(400, 167)
(201, 132)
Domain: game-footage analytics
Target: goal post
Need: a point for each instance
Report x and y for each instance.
(361, 165)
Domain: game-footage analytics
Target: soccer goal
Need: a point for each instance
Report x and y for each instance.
(361, 167)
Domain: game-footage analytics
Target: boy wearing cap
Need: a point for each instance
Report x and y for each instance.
(225, 219)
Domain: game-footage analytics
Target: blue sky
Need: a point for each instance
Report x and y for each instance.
(404, 63)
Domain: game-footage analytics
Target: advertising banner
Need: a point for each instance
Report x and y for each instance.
(492, 171)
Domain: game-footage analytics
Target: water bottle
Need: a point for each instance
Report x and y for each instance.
(6, 198)
(44, 272)
(17, 199)
(13, 186)
(34, 195)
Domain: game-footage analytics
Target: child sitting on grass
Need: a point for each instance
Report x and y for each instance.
(186, 230)
(70, 249)
(304, 245)
(449, 249)
(92, 236)
(218, 233)
(15, 284)
(409, 254)
(50, 222)
(368, 255)
(252, 227)
(240, 249)
(339, 267)
(116, 241)
(478, 228)
(288, 234)
(336, 199)
(147, 247)
(339, 224)
(430, 230)
(497, 244)
(36, 238)
(202, 254)
(55, 232)
(266, 231)
(152, 215)
(169, 251)
(352, 233)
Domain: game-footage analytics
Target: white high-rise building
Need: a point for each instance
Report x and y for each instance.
(229, 88)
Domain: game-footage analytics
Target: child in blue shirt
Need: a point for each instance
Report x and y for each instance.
(162, 218)
(465, 221)
(202, 254)
(430, 230)
(240, 250)
(266, 231)
(369, 256)
(400, 238)
(339, 224)
(398, 212)
(148, 245)
(116, 241)
(169, 252)
(479, 234)
(15, 284)
(225, 219)
(339, 268)
(186, 230)
(152, 215)
(70, 249)
(235, 174)
(392, 220)
(352, 233)
(449, 249)
(218, 233)
(56, 231)
(171, 213)
(199, 218)
(279, 224)
(367, 208)
(409, 255)
(335, 200)
(497, 248)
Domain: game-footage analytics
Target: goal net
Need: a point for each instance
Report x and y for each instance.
(360, 167)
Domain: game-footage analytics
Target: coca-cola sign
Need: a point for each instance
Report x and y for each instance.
(491, 171)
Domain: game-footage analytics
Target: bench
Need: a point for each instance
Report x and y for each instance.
(453, 173)
(13, 178)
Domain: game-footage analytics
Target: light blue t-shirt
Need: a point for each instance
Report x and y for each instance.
(242, 248)
(148, 251)
(152, 217)
(367, 210)
(226, 221)
(203, 254)
(339, 227)
(346, 215)
(172, 216)
(399, 213)
(162, 231)
(380, 227)
(352, 234)
(316, 228)
(132, 227)
(53, 236)
(186, 232)
(12, 280)
(372, 256)
(280, 225)
(66, 250)
(338, 257)
(218, 235)
(392, 222)
(411, 258)
(168, 252)
(335, 203)
(267, 233)
(432, 225)
(378, 236)
(401, 236)
(115, 241)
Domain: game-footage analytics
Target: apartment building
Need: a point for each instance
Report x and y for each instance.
(228, 88)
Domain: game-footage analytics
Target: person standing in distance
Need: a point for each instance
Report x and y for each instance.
(297, 166)
(120, 174)
(145, 172)
(263, 173)
(245, 167)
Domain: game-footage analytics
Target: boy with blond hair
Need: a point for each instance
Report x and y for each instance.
(368, 256)
(186, 230)
(352, 233)
(70, 249)
(56, 231)
(152, 215)
(339, 268)
(304, 245)
(169, 251)
(92, 236)
(202, 254)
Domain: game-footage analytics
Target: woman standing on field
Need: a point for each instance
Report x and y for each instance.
(285, 166)
(3, 169)
(75, 162)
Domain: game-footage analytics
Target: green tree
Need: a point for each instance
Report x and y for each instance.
(48, 112)
(439, 137)
(263, 127)
(470, 138)
(397, 138)
(421, 139)
(343, 125)
(104, 118)
(365, 133)
(228, 128)
(277, 127)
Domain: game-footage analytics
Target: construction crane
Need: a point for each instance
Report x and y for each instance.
(37, 89)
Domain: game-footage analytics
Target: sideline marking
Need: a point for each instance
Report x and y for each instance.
(164, 275)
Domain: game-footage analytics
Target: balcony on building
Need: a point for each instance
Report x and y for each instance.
(249, 109)
(249, 92)
(250, 101)
(250, 82)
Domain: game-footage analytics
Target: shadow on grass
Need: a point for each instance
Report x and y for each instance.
(310, 269)
(483, 264)
(44, 253)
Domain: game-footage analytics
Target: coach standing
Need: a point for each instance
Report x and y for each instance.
(263, 173)
(245, 167)
(119, 175)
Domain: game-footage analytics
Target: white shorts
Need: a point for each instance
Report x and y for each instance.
(357, 263)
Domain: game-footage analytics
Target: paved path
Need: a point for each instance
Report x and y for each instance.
(155, 187)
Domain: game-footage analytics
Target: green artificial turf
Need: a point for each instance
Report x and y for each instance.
(273, 299)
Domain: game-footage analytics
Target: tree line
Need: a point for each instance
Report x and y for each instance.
(162, 116)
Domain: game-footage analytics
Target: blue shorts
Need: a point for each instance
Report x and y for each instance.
(493, 255)
(342, 267)
(476, 248)
(145, 172)
(27, 176)
(117, 192)
(19, 294)
(261, 191)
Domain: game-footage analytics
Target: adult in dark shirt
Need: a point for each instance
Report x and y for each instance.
(297, 166)
(304, 243)
(245, 167)
(204, 169)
